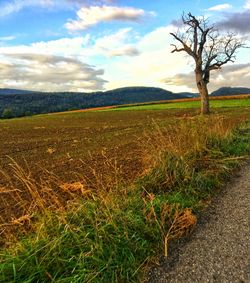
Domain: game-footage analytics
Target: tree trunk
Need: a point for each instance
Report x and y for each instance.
(204, 99)
(203, 91)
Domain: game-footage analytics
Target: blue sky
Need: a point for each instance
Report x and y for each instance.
(80, 45)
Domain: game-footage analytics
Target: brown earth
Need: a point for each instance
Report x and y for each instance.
(88, 147)
(71, 147)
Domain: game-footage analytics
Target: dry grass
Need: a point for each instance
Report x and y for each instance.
(180, 223)
(173, 221)
(186, 136)
(102, 228)
(110, 177)
(49, 192)
(29, 195)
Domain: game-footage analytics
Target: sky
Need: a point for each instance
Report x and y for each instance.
(93, 45)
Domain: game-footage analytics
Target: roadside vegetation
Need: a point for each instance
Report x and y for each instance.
(102, 227)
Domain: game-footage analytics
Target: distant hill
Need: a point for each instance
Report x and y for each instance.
(17, 103)
(21, 103)
(128, 95)
(226, 91)
(14, 91)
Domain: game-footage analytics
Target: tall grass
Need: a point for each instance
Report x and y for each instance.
(100, 229)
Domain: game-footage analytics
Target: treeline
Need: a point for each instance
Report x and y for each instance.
(31, 103)
(227, 91)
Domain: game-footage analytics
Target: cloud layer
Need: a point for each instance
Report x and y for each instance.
(239, 22)
(49, 73)
(116, 44)
(90, 16)
(232, 75)
(52, 65)
(220, 7)
(113, 55)
(14, 6)
(247, 5)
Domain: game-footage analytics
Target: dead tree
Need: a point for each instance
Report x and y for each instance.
(209, 49)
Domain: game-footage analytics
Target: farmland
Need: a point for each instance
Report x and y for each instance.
(107, 178)
(185, 103)
(77, 143)
(189, 103)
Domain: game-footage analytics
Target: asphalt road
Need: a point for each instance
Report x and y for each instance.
(218, 251)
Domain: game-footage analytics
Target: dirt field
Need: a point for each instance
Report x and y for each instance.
(89, 144)
(58, 142)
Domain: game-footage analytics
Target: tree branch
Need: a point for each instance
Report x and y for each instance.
(209, 49)
(185, 46)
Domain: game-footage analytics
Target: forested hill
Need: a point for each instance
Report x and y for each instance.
(14, 91)
(226, 91)
(16, 103)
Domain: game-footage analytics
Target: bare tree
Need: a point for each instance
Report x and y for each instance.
(209, 49)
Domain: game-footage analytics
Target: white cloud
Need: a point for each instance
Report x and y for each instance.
(116, 44)
(113, 39)
(60, 47)
(56, 66)
(127, 50)
(90, 16)
(64, 46)
(148, 60)
(220, 7)
(7, 38)
(236, 21)
(14, 6)
(247, 5)
(88, 2)
(156, 62)
(17, 5)
(49, 73)
(153, 63)
(87, 47)
(234, 75)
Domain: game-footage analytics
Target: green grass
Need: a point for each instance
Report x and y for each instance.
(190, 104)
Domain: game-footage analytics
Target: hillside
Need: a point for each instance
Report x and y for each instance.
(23, 104)
(226, 91)
(16, 103)
(7, 91)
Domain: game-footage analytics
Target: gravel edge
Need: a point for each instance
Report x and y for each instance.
(218, 250)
